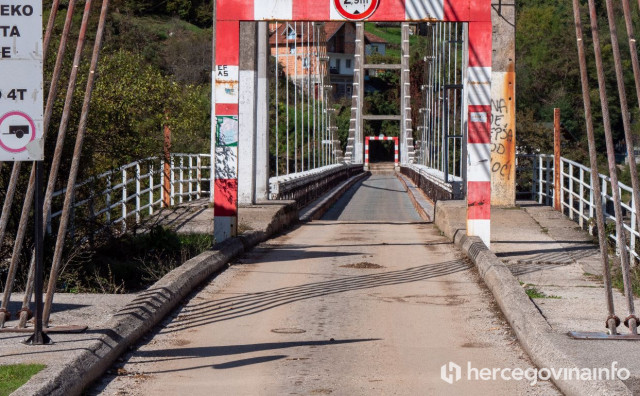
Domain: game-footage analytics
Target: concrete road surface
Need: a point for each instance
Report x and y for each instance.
(367, 301)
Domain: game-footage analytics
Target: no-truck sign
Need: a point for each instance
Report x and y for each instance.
(21, 81)
(356, 10)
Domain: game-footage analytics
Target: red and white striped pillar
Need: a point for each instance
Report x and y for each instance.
(225, 118)
(396, 151)
(479, 130)
(366, 152)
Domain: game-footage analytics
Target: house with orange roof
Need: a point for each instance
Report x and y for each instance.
(296, 45)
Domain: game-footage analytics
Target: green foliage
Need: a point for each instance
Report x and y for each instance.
(130, 263)
(13, 377)
(548, 76)
(198, 12)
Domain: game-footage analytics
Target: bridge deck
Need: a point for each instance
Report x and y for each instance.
(361, 302)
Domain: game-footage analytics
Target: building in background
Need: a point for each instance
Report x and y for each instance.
(296, 43)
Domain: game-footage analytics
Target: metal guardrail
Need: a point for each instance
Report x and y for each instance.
(431, 181)
(578, 196)
(137, 189)
(304, 187)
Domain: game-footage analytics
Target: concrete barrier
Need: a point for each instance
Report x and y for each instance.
(534, 333)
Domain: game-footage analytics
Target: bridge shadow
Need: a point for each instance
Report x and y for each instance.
(173, 354)
(253, 303)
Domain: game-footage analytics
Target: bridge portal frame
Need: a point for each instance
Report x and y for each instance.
(367, 139)
(225, 92)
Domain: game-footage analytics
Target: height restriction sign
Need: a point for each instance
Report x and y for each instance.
(21, 80)
(356, 10)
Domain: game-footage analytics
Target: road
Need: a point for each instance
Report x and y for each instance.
(367, 301)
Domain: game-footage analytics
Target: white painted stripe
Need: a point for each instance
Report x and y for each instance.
(480, 228)
(479, 86)
(479, 163)
(273, 9)
(223, 228)
(229, 157)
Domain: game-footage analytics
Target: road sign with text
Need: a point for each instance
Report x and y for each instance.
(21, 80)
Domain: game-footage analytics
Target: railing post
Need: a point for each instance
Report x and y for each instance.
(151, 186)
(172, 179)
(540, 180)
(181, 179)
(581, 217)
(138, 193)
(190, 173)
(604, 200)
(124, 200)
(108, 199)
(548, 182)
(199, 176)
(557, 161)
(634, 228)
(591, 209)
(167, 193)
(571, 182)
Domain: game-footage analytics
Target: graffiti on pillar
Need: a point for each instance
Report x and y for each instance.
(502, 138)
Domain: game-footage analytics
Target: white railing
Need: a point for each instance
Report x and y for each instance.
(578, 195)
(136, 190)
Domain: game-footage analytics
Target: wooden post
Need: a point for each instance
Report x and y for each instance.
(166, 189)
(557, 182)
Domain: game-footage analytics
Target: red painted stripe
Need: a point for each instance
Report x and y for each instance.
(226, 197)
(227, 109)
(389, 10)
(311, 10)
(479, 201)
(479, 10)
(237, 10)
(228, 39)
(480, 132)
(480, 46)
(456, 11)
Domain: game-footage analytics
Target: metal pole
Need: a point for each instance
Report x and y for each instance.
(82, 126)
(38, 337)
(557, 181)
(612, 320)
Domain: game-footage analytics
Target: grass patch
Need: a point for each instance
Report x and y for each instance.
(14, 376)
(532, 292)
(617, 282)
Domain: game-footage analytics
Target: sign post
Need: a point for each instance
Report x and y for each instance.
(21, 113)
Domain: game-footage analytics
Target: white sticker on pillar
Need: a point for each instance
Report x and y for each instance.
(227, 84)
(479, 160)
(478, 117)
(479, 86)
(424, 9)
(273, 9)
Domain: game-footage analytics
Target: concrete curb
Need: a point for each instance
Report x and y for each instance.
(318, 208)
(151, 306)
(533, 332)
(416, 195)
(146, 311)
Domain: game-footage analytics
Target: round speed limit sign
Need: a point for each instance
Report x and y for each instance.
(356, 10)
